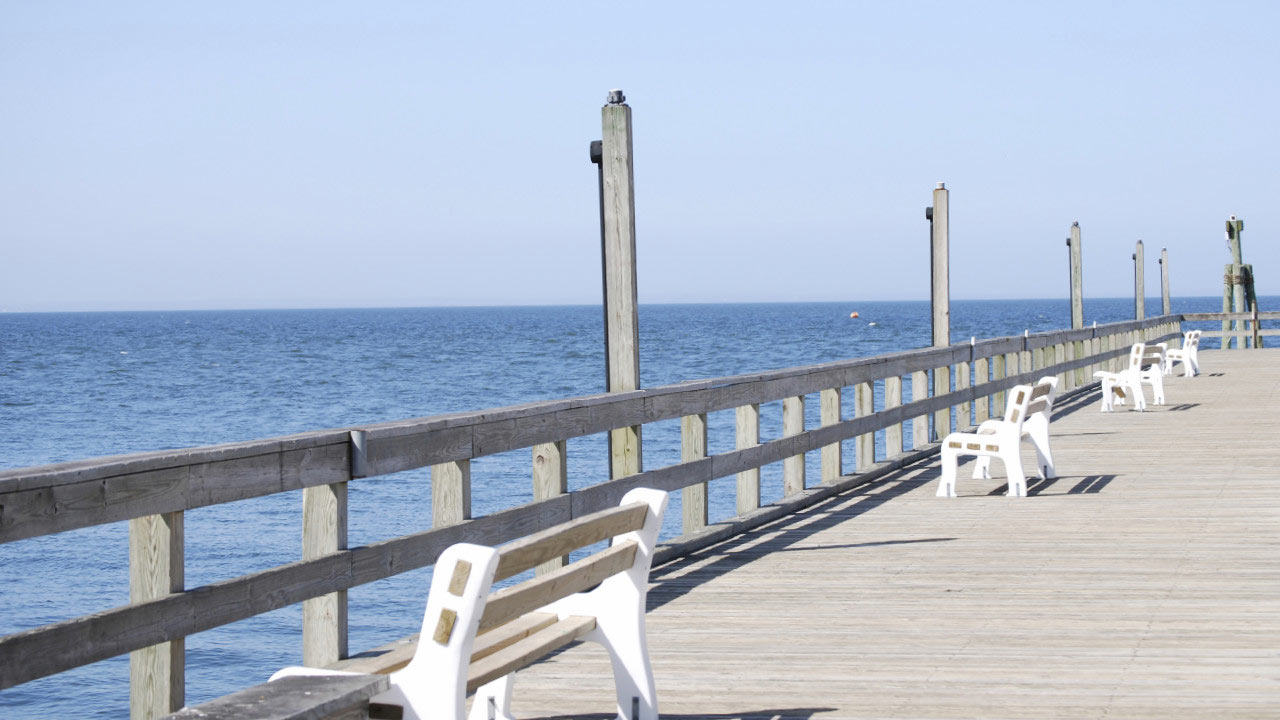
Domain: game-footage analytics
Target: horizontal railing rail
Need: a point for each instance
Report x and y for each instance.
(66, 496)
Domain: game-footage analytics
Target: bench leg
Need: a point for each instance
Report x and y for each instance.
(947, 486)
(493, 700)
(637, 693)
(982, 468)
(1039, 434)
(1013, 468)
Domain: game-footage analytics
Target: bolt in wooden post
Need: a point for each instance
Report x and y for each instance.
(793, 424)
(1139, 291)
(324, 532)
(620, 274)
(893, 434)
(450, 493)
(833, 454)
(693, 446)
(157, 673)
(864, 444)
(550, 479)
(919, 423)
(940, 266)
(747, 432)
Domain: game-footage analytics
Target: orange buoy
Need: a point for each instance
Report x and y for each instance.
(853, 314)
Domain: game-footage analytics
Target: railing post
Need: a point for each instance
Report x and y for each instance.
(919, 423)
(940, 271)
(981, 376)
(450, 493)
(1139, 291)
(893, 433)
(793, 424)
(1069, 350)
(1024, 356)
(963, 373)
(550, 479)
(998, 373)
(623, 326)
(157, 674)
(833, 454)
(324, 532)
(693, 446)
(747, 432)
(865, 444)
(1164, 282)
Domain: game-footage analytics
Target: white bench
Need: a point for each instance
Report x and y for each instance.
(1035, 428)
(473, 639)
(1187, 355)
(1145, 365)
(1001, 441)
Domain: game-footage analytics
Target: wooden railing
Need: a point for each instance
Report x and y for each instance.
(1247, 332)
(152, 490)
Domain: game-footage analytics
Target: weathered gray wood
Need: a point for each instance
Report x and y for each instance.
(511, 602)
(981, 376)
(536, 548)
(942, 417)
(522, 653)
(623, 343)
(998, 372)
(1077, 276)
(1069, 354)
(1164, 282)
(551, 479)
(324, 531)
(893, 433)
(919, 423)
(833, 454)
(298, 697)
(157, 674)
(693, 446)
(964, 411)
(864, 444)
(1139, 287)
(747, 435)
(793, 424)
(940, 266)
(450, 493)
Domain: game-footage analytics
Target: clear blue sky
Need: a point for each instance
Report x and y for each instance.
(304, 154)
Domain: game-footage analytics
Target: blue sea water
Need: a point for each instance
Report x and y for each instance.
(77, 385)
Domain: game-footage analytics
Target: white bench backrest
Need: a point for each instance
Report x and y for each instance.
(1136, 354)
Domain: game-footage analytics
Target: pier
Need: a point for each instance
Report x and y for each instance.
(1143, 579)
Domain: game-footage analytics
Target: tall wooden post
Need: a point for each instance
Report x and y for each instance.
(693, 446)
(1139, 291)
(620, 274)
(940, 271)
(156, 673)
(1164, 282)
(1077, 277)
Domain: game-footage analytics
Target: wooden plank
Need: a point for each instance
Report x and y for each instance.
(503, 636)
(450, 493)
(864, 444)
(693, 446)
(324, 531)
(833, 454)
(941, 417)
(920, 422)
(521, 654)
(893, 433)
(964, 411)
(157, 674)
(509, 603)
(298, 697)
(747, 435)
(981, 376)
(998, 372)
(551, 479)
(528, 552)
(793, 466)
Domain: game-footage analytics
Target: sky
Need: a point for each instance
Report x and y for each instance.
(319, 154)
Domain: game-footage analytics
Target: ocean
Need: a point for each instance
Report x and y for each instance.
(79, 385)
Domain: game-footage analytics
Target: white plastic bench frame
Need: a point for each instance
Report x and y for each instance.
(1002, 442)
(1188, 355)
(1035, 428)
(434, 683)
(1145, 365)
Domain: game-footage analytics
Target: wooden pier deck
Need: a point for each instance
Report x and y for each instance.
(1143, 583)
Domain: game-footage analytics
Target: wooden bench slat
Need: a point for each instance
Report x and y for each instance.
(527, 553)
(492, 641)
(524, 652)
(509, 603)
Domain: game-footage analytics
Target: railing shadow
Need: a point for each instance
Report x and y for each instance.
(775, 714)
(670, 581)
